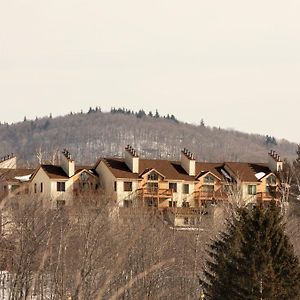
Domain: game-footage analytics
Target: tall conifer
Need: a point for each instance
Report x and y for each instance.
(253, 259)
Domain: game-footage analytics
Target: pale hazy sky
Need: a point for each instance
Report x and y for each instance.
(234, 63)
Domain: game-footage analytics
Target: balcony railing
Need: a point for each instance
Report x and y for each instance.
(211, 195)
(186, 211)
(156, 192)
(268, 196)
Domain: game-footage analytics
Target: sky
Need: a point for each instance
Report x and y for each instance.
(233, 63)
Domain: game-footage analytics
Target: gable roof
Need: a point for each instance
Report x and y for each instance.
(214, 168)
(11, 174)
(171, 170)
(246, 171)
(54, 172)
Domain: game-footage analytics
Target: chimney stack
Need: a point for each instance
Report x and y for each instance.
(188, 162)
(275, 162)
(67, 163)
(132, 159)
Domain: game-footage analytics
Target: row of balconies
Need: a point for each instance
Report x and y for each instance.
(217, 195)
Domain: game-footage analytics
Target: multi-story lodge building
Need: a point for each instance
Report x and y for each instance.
(181, 188)
(184, 187)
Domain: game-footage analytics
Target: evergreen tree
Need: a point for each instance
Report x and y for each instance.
(253, 259)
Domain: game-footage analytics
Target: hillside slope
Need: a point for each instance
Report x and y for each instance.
(92, 135)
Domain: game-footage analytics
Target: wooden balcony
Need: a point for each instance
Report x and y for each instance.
(268, 196)
(210, 195)
(186, 211)
(155, 193)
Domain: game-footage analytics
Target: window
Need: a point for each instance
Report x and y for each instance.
(42, 188)
(192, 221)
(185, 188)
(185, 204)
(227, 188)
(35, 188)
(252, 189)
(84, 176)
(127, 186)
(61, 186)
(152, 187)
(115, 186)
(151, 202)
(209, 179)
(14, 187)
(173, 186)
(271, 180)
(60, 203)
(207, 188)
(172, 203)
(271, 190)
(153, 176)
(186, 221)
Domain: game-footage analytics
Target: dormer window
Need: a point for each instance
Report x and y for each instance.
(209, 179)
(153, 176)
(271, 180)
(84, 177)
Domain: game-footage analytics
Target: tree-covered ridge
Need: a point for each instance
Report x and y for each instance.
(253, 259)
(95, 133)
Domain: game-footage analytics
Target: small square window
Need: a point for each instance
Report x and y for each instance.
(60, 203)
(153, 176)
(173, 186)
(185, 188)
(61, 186)
(252, 189)
(209, 179)
(127, 186)
(172, 203)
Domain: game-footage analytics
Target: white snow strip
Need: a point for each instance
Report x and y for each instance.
(23, 178)
(225, 174)
(260, 175)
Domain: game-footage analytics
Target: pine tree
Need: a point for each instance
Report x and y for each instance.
(253, 259)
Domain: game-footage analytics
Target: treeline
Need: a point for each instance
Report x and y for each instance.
(93, 134)
(141, 114)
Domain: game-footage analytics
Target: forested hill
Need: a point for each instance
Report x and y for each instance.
(91, 135)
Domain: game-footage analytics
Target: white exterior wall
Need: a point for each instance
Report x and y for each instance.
(50, 193)
(179, 196)
(107, 180)
(121, 194)
(247, 197)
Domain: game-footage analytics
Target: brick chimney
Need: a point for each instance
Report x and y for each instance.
(188, 162)
(8, 162)
(275, 163)
(132, 159)
(67, 163)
